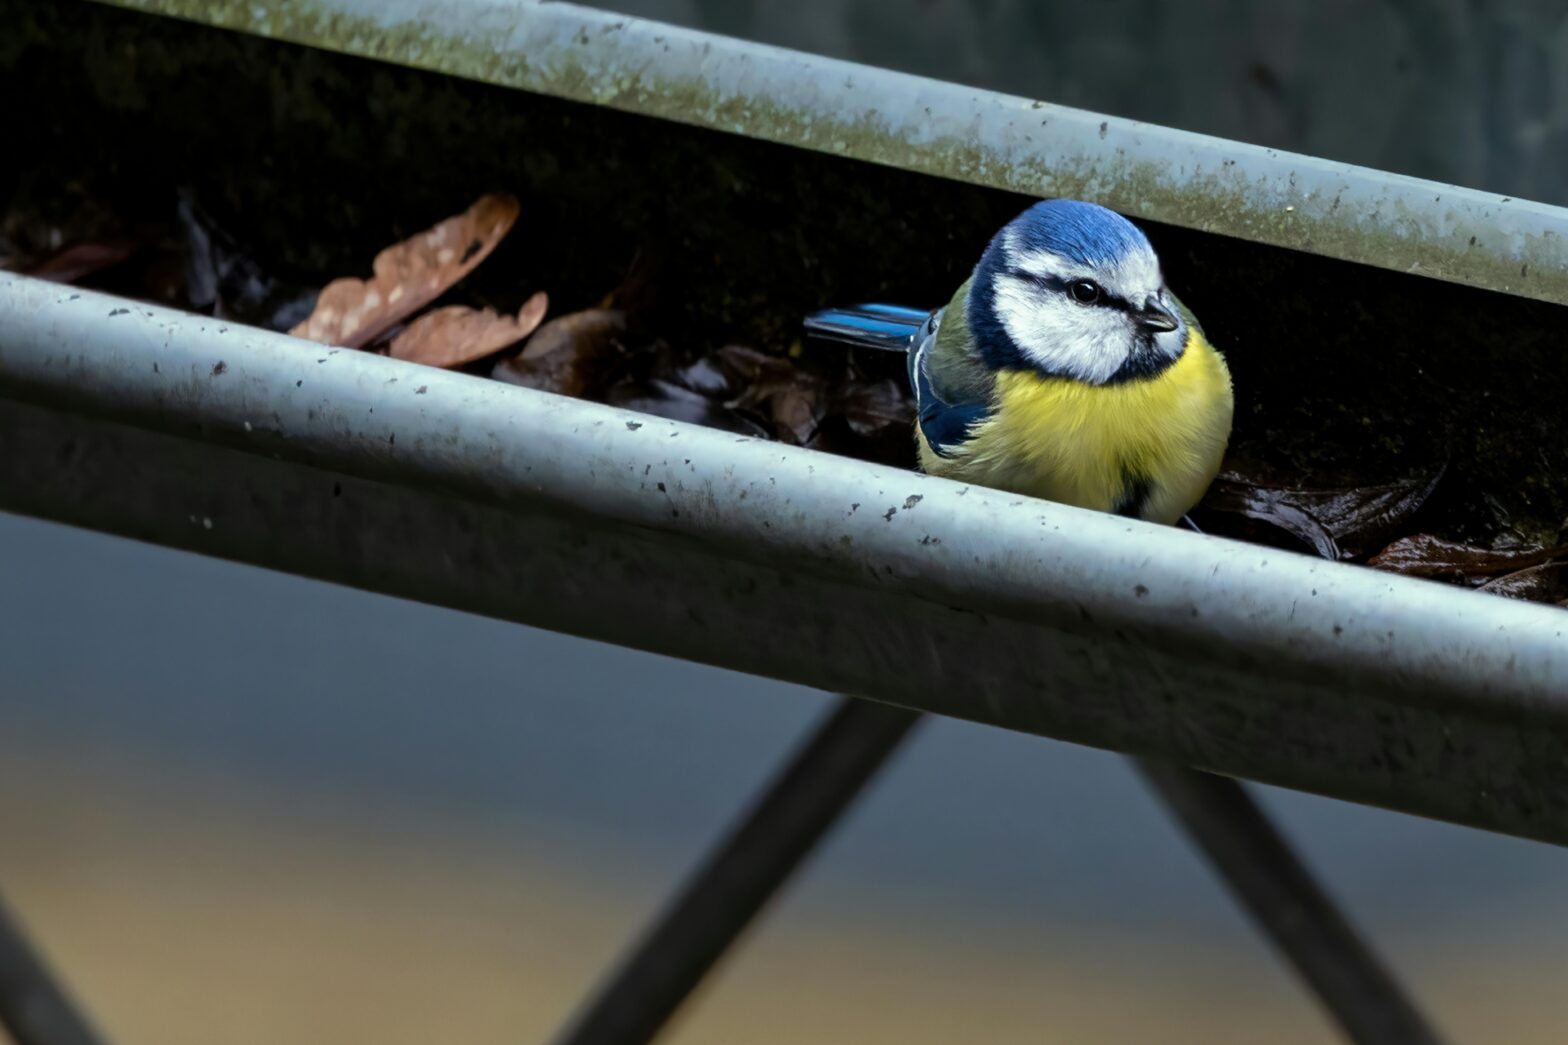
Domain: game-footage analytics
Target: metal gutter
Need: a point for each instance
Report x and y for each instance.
(1304, 203)
(750, 555)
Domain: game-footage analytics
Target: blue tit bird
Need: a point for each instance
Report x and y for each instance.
(1063, 368)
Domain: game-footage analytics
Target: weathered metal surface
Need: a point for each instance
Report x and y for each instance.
(1184, 179)
(788, 563)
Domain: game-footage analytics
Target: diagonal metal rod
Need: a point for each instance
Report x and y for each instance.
(742, 874)
(1289, 906)
(34, 1008)
(776, 836)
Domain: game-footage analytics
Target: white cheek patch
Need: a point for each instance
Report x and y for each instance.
(1060, 336)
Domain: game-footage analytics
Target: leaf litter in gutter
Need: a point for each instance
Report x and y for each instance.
(456, 335)
(1336, 524)
(409, 275)
(572, 354)
(1425, 555)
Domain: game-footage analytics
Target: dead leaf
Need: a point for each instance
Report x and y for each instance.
(1424, 555)
(82, 260)
(575, 332)
(747, 366)
(876, 409)
(797, 409)
(772, 388)
(456, 334)
(1336, 524)
(75, 218)
(571, 354)
(409, 275)
(1545, 583)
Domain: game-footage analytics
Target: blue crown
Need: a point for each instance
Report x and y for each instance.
(1085, 233)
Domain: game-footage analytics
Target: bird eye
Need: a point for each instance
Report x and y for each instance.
(1084, 291)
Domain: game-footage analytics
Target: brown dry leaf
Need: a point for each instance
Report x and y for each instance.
(575, 332)
(1424, 555)
(409, 275)
(81, 260)
(571, 354)
(798, 409)
(747, 366)
(457, 334)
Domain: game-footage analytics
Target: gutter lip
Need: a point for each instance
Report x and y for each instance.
(1195, 181)
(1235, 606)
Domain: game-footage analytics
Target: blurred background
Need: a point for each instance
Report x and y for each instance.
(1459, 91)
(242, 807)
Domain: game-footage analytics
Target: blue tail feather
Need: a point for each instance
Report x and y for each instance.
(887, 327)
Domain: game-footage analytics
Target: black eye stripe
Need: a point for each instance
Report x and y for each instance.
(1048, 282)
(1056, 283)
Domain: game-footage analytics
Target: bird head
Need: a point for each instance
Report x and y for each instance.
(1070, 289)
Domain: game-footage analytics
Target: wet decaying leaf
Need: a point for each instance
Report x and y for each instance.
(409, 275)
(878, 409)
(573, 355)
(82, 232)
(1424, 555)
(1536, 574)
(771, 387)
(81, 260)
(747, 368)
(797, 409)
(1335, 524)
(1545, 583)
(457, 334)
(86, 243)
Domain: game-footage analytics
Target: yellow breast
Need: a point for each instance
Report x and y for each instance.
(1094, 446)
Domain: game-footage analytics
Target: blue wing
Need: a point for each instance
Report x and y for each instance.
(892, 328)
(945, 419)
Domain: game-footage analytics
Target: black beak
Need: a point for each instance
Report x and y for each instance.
(1157, 317)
